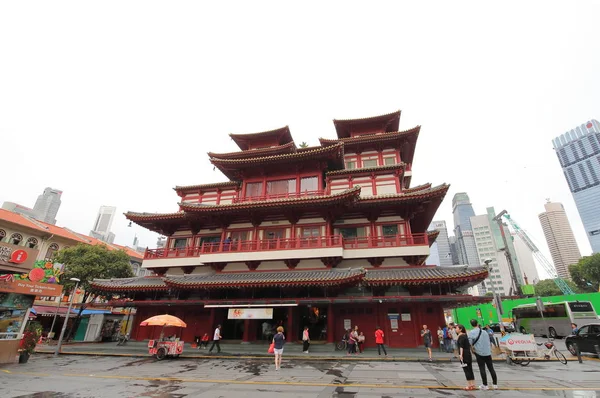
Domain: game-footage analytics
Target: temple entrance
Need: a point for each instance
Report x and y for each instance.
(315, 318)
(266, 328)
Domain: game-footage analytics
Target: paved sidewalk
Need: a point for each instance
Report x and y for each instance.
(257, 351)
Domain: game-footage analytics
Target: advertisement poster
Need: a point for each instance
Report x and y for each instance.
(250, 313)
(347, 324)
(405, 317)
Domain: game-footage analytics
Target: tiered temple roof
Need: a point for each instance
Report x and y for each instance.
(280, 136)
(383, 123)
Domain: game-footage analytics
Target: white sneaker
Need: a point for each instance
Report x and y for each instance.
(484, 387)
(495, 386)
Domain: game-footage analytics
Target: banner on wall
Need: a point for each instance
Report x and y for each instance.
(250, 313)
(10, 285)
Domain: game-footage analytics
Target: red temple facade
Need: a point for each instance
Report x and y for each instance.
(324, 237)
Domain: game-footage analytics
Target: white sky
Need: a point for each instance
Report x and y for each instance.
(117, 102)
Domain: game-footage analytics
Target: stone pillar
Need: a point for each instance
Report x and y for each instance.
(330, 324)
(247, 326)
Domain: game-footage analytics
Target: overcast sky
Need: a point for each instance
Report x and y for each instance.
(117, 102)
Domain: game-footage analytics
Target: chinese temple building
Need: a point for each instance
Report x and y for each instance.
(328, 237)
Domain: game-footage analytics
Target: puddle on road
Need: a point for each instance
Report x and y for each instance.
(341, 393)
(252, 367)
(133, 363)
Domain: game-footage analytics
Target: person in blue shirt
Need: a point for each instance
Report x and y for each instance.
(574, 328)
(482, 346)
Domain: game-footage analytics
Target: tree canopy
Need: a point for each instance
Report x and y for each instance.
(586, 273)
(548, 287)
(87, 262)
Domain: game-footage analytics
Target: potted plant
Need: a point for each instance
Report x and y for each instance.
(32, 334)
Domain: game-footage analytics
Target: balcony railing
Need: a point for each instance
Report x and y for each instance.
(373, 242)
(299, 243)
(316, 242)
(272, 196)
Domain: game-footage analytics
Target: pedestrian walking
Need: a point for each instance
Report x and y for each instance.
(427, 341)
(454, 341)
(278, 341)
(379, 341)
(483, 355)
(351, 342)
(447, 338)
(216, 339)
(440, 335)
(490, 332)
(305, 340)
(361, 342)
(466, 359)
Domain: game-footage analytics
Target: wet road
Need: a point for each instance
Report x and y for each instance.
(72, 376)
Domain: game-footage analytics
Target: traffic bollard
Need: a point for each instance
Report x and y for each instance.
(578, 353)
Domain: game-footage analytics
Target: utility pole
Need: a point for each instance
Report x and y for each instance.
(511, 266)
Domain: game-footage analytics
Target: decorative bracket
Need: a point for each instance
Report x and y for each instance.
(292, 263)
(375, 261)
(331, 262)
(252, 265)
(188, 269)
(217, 266)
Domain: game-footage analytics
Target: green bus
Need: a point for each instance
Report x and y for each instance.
(557, 318)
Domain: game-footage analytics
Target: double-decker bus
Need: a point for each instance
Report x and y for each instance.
(557, 319)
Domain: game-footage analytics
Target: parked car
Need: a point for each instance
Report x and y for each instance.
(586, 338)
(508, 327)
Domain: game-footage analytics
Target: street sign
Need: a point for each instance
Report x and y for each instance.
(539, 304)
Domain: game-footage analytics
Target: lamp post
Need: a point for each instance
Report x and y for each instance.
(487, 262)
(62, 332)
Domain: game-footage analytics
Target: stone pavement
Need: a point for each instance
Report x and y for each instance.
(81, 376)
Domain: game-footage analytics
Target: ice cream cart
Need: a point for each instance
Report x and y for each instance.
(162, 348)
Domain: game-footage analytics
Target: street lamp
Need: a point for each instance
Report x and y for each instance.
(487, 262)
(62, 332)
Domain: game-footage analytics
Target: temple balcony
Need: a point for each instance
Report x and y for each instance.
(290, 248)
(386, 246)
(272, 249)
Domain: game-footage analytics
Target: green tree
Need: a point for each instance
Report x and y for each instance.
(304, 145)
(548, 287)
(586, 273)
(86, 263)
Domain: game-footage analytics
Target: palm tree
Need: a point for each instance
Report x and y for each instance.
(304, 145)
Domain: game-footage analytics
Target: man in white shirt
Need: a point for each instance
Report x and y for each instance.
(216, 338)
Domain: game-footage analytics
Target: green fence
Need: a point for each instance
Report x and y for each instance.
(486, 313)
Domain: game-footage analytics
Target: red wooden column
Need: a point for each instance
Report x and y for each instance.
(211, 323)
(290, 325)
(330, 324)
(247, 326)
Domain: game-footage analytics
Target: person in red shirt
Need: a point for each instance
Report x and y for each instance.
(379, 340)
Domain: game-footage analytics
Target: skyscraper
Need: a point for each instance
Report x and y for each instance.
(526, 263)
(104, 221)
(578, 152)
(47, 205)
(453, 250)
(465, 243)
(560, 238)
(440, 250)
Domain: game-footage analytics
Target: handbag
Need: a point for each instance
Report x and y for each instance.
(271, 349)
(475, 342)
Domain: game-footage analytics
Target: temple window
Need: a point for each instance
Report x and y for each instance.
(31, 243)
(351, 232)
(350, 165)
(52, 249)
(389, 160)
(278, 233)
(239, 236)
(16, 239)
(254, 189)
(209, 239)
(388, 230)
(311, 232)
(180, 243)
(281, 187)
(370, 163)
(309, 184)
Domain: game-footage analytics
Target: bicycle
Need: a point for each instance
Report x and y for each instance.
(523, 358)
(342, 345)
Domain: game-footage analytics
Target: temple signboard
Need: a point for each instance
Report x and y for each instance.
(250, 313)
(15, 258)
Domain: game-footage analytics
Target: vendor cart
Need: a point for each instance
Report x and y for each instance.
(519, 348)
(162, 348)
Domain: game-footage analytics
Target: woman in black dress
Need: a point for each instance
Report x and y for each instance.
(466, 358)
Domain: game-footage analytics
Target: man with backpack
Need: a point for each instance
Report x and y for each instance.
(480, 342)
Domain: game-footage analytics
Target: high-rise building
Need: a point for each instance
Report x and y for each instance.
(488, 248)
(440, 250)
(453, 250)
(465, 243)
(578, 152)
(560, 238)
(104, 221)
(19, 209)
(47, 205)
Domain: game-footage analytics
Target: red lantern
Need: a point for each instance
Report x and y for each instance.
(78, 291)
